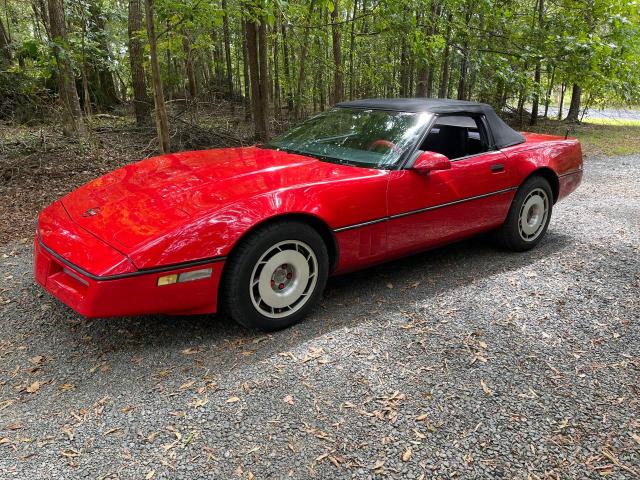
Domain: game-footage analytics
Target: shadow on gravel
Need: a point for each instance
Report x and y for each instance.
(349, 299)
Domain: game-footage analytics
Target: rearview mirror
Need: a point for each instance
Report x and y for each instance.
(428, 161)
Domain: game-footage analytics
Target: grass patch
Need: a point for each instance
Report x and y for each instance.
(598, 136)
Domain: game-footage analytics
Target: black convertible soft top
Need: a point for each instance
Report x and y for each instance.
(503, 134)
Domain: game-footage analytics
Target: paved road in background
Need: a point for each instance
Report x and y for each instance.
(605, 113)
(465, 361)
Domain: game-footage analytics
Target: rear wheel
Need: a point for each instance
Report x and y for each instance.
(528, 216)
(275, 276)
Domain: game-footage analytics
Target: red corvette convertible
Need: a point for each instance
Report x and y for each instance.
(258, 230)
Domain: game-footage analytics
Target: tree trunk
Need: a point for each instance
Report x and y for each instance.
(464, 62)
(162, 122)
(537, 73)
(258, 82)
(263, 54)
(86, 97)
(563, 89)
(536, 95)
(227, 48)
(287, 72)
(352, 46)
(463, 73)
(404, 74)
(5, 49)
(41, 12)
(141, 101)
(188, 63)
(276, 71)
(520, 107)
(245, 73)
(338, 87)
(303, 59)
(443, 88)
(574, 106)
(549, 90)
(74, 124)
(425, 71)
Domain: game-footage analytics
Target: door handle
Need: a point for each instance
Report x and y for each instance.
(497, 167)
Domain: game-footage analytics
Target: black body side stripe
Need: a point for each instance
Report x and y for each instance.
(422, 210)
(145, 271)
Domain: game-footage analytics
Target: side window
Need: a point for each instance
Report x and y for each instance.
(456, 136)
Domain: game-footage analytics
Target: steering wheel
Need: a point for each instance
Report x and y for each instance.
(384, 143)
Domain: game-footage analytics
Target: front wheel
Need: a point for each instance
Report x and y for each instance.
(528, 216)
(275, 276)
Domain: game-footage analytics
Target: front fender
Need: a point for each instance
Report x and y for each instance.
(214, 234)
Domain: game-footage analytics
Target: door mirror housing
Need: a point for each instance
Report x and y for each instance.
(428, 161)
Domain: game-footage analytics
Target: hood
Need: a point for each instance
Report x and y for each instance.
(140, 202)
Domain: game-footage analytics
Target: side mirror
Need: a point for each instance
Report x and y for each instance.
(428, 161)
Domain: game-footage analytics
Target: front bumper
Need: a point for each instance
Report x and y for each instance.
(133, 293)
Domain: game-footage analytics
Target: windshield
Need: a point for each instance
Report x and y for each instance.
(368, 138)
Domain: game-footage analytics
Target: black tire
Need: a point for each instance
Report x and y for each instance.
(511, 235)
(242, 266)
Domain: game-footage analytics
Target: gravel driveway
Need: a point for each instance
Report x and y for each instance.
(463, 362)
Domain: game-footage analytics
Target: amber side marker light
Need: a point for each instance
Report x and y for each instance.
(184, 277)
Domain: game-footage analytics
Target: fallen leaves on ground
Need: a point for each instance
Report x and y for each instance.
(34, 387)
(70, 453)
(191, 350)
(406, 456)
(485, 388)
(37, 360)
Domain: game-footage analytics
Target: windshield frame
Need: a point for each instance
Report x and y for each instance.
(398, 164)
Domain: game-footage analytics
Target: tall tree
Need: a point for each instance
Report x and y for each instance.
(256, 52)
(303, 60)
(162, 121)
(352, 47)
(227, 48)
(287, 73)
(188, 61)
(338, 84)
(245, 72)
(444, 77)
(277, 91)
(5, 48)
(538, 70)
(141, 101)
(74, 123)
(574, 106)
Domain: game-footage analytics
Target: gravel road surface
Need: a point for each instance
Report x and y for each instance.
(465, 362)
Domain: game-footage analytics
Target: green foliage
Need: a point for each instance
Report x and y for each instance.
(494, 45)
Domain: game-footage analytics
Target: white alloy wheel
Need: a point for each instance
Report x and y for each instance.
(283, 279)
(533, 214)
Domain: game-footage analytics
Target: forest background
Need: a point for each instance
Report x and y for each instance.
(88, 85)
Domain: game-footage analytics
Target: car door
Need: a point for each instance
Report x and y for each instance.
(426, 210)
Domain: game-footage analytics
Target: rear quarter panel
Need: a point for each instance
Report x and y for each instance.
(562, 156)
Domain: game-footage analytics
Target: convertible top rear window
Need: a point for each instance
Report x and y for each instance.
(355, 136)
